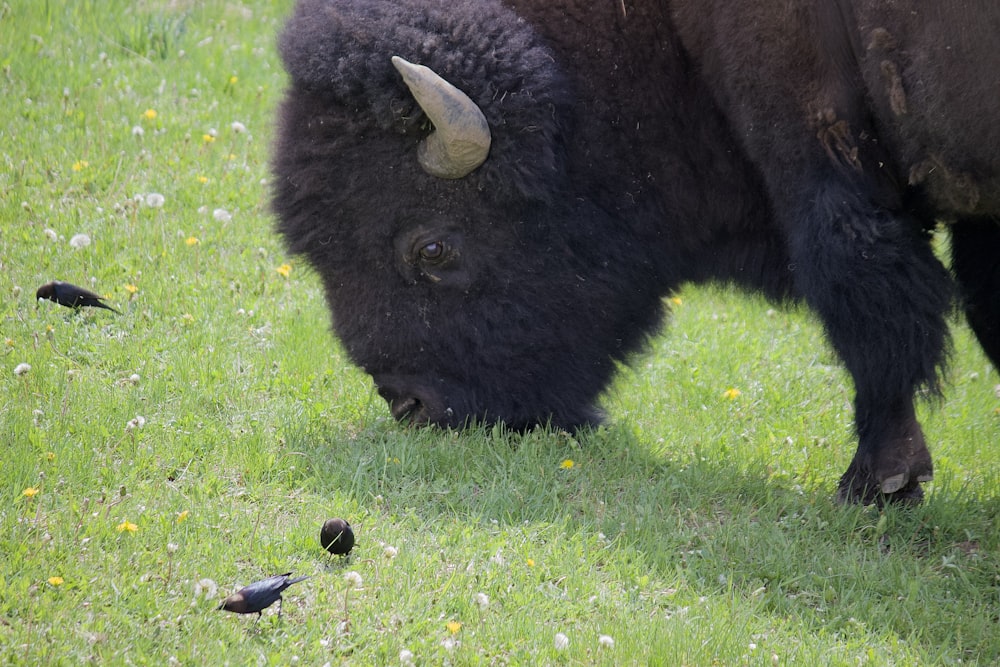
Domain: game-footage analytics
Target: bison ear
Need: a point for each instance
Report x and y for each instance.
(460, 141)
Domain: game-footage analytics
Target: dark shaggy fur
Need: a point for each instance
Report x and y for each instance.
(796, 149)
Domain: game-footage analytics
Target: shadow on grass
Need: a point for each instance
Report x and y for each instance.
(714, 525)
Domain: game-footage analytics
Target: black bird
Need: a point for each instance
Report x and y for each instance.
(70, 296)
(260, 595)
(337, 537)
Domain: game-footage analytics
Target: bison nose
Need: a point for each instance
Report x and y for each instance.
(405, 402)
(406, 407)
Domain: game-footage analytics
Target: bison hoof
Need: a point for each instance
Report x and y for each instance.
(865, 487)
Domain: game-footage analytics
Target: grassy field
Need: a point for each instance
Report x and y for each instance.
(157, 460)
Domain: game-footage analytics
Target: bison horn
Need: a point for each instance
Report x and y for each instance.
(460, 141)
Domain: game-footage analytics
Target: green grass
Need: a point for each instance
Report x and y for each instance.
(692, 529)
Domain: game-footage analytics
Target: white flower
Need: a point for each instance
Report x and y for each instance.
(449, 643)
(21, 369)
(483, 600)
(353, 578)
(136, 423)
(222, 215)
(206, 586)
(134, 378)
(406, 658)
(390, 552)
(51, 233)
(137, 131)
(79, 241)
(172, 547)
(155, 200)
(238, 127)
(561, 641)
(606, 640)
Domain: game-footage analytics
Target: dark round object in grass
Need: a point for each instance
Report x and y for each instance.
(337, 537)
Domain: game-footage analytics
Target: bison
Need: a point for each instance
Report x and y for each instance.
(498, 194)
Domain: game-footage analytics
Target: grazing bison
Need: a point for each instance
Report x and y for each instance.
(497, 195)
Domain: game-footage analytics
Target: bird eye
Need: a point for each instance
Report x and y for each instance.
(432, 252)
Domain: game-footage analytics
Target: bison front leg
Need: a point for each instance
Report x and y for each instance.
(975, 249)
(872, 277)
(892, 458)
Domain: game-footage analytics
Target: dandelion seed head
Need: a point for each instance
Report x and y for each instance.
(406, 658)
(137, 131)
(155, 200)
(237, 127)
(222, 215)
(22, 369)
(483, 600)
(353, 578)
(172, 547)
(206, 586)
(79, 241)
(390, 552)
(561, 641)
(51, 233)
(606, 640)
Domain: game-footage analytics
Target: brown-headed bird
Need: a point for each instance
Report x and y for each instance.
(260, 595)
(70, 296)
(337, 537)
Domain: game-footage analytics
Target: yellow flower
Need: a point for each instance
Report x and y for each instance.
(56, 581)
(676, 300)
(530, 562)
(207, 138)
(127, 525)
(567, 464)
(732, 393)
(50, 457)
(149, 114)
(182, 516)
(131, 289)
(203, 179)
(80, 165)
(453, 626)
(9, 342)
(30, 492)
(233, 79)
(192, 240)
(284, 269)
(187, 318)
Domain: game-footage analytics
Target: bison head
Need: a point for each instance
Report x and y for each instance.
(470, 267)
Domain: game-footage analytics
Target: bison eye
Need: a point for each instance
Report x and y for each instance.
(432, 252)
